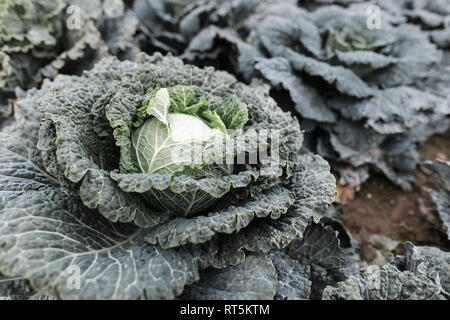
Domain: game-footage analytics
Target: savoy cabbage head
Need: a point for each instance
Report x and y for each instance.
(357, 90)
(90, 181)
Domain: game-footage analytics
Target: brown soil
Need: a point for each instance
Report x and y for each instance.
(382, 208)
(437, 147)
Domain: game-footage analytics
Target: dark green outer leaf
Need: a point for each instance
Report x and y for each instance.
(314, 188)
(50, 231)
(293, 278)
(395, 110)
(429, 261)
(441, 198)
(394, 285)
(179, 231)
(186, 193)
(253, 279)
(307, 100)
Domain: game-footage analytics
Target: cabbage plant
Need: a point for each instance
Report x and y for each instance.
(37, 41)
(364, 93)
(97, 180)
(169, 25)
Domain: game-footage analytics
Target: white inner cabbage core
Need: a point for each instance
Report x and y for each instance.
(185, 128)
